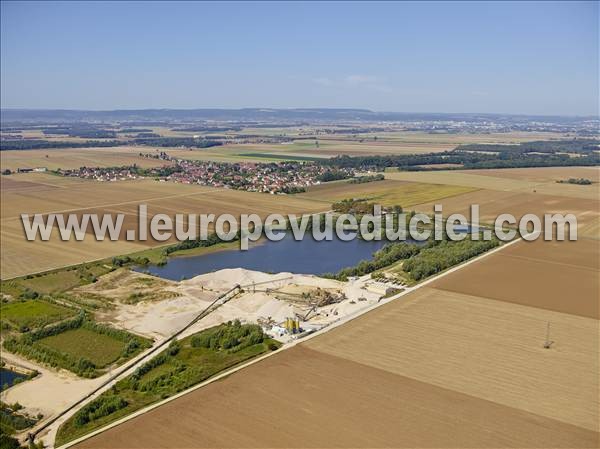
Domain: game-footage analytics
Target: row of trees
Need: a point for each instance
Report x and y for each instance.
(178, 142)
(578, 181)
(367, 178)
(98, 408)
(386, 256)
(85, 133)
(333, 175)
(357, 206)
(420, 260)
(443, 255)
(40, 144)
(538, 146)
(149, 140)
(528, 154)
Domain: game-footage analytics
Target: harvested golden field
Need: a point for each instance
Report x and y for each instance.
(493, 203)
(306, 398)
(71, 158)
(302, 149)
(456, 177)
(385, 143)
(20, 257)
(524, 180)
(541, 174)
(488, 349)
(48, 194)
(559, 276)
(590, 229)
(386, 193)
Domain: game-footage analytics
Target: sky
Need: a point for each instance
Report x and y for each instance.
(504, 57)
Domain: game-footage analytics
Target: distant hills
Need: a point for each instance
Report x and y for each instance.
(263, 115)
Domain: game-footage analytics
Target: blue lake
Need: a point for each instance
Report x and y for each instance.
(7, 377)
(306, 257)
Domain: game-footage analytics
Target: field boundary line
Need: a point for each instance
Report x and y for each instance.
(564, 264)
(331, 326)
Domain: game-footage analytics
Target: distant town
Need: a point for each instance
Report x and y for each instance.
(272, 178)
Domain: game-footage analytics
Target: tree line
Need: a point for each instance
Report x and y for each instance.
(474, 156)
(420, 260)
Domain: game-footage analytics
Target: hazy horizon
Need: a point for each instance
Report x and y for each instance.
(279, 109)
(294, 108)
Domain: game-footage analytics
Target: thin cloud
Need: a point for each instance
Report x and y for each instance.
(355, 81)
(323, 81)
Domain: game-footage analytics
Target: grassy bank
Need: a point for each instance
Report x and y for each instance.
(28, 314)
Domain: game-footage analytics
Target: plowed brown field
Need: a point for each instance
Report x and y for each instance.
(305, 398)
(559, 276)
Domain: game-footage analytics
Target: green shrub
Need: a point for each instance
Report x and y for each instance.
(98, 408)
(443, 255)
(230, 336)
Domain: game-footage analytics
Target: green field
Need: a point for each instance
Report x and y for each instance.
(385, 193)
(77, 344)
(55, 281)
(279, 157)
(33, 313)
(60, 281)
(179, 367)
(100, 349)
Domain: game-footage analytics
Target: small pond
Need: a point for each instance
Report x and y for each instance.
(7, 377)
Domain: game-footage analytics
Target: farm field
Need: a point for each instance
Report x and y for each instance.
(386, 192)
(493, 203)
(385, 143)
(78, 345)
(46, 193)
(100, 349)
(524, 180)
(545, 275)
(311, 392)
(515, 191)
(541, 174)
(33, 313)
(488, 349)
(55, 281)
(456, 190)
(42, 193)
(71, 158)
